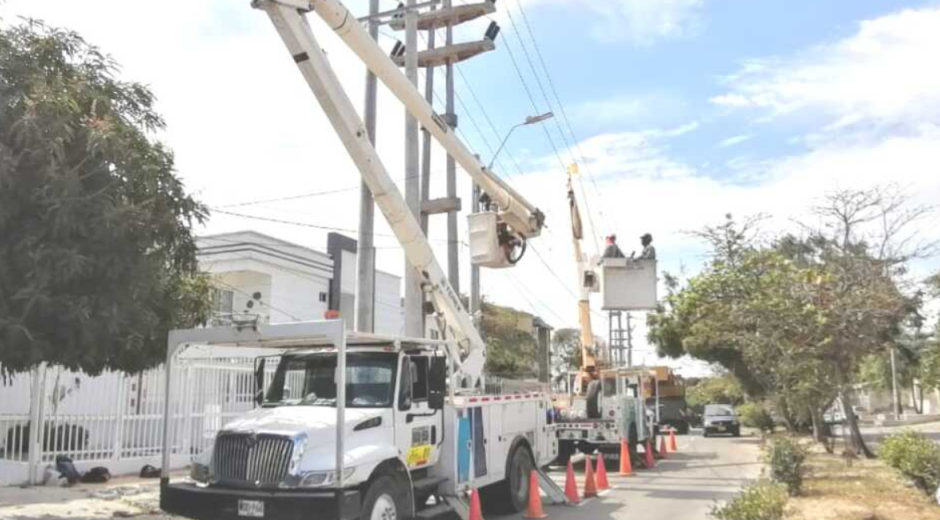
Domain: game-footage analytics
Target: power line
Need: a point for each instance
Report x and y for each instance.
(309, 225)
(561, 106)
(310, 194)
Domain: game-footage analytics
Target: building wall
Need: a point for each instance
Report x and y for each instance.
(298, 298)
(389, 313)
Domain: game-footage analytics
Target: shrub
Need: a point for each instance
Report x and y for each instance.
(914, 456)
(754, 415)
(760, 501)
(785, 457)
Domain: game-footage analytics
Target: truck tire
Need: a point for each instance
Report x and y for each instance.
(386, 499)
(565, 451)
(633, 440)
(512, 494)
(593, 400)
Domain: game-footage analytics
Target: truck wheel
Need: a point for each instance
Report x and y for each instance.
(385, 500)
(593, 401)
(633, 439)
(565, 450)
(512, 495)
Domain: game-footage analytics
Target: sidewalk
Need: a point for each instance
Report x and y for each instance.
(122, 497)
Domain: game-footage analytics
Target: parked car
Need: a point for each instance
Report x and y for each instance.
(720, 418)
(836, 414)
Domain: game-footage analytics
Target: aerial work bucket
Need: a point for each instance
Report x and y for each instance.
(628, 284)
(492, 244)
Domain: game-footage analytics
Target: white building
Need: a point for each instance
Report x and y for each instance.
(279, 281)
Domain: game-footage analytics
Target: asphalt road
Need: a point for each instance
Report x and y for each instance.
(683, 487)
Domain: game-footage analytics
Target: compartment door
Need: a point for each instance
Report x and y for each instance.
(464, 445)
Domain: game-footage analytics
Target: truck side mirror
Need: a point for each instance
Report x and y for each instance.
(437, 383)
(259, 380)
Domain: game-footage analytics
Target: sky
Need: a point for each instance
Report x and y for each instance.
(677, 112)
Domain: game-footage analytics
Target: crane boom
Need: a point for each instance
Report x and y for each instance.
(524, 218)
(588, 368)
(290, 22)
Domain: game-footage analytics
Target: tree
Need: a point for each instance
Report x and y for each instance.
(724, 389)
(566, 346)
(97, 256)
(793, 319)
(511, 349)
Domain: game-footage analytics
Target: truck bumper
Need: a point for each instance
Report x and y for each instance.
(211, 503)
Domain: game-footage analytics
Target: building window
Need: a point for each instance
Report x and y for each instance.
(323, 297)
(222, 302)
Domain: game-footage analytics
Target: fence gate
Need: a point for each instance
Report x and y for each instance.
(115, 419)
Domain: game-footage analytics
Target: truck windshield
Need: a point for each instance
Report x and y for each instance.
(309, 380)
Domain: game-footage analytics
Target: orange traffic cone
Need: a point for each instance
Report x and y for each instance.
(535, 498)
(601, 473)
(650, 463)
(626, 468)
(672, 441)
(590, 487)
(571, 485)
(476, 511)
(662, 448)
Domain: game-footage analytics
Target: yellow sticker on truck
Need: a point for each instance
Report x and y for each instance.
(419, 455)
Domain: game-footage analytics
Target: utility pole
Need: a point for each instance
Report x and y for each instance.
(365, 257)
(447, 55)
(426, 144)
(453, 265)
(414, 299)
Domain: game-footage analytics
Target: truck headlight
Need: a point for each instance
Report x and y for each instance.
(314, 479)
(200, 473)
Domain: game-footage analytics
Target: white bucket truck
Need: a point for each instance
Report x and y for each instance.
(361, 426)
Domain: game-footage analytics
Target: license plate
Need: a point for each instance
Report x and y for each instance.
(721, 428)
(251, 508)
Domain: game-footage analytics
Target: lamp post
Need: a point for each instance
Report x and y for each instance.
(475, 309)
(530, 120)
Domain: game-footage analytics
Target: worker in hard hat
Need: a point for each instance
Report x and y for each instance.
(649, 252)
(612, 250)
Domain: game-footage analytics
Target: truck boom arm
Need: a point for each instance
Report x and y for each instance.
(312, 62)
(524, 218)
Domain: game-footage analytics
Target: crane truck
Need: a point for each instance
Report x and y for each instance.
(606, 405)
(358, 426)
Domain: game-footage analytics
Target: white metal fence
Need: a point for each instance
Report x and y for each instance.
(115, 419)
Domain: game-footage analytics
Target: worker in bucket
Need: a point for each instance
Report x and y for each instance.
(612, 250)
(649, 252)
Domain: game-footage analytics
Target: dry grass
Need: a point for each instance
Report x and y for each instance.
(864, 490)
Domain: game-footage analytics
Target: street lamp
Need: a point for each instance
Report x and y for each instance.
(530, 120)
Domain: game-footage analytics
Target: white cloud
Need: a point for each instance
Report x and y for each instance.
(735, 140)
(881, 76)
(641, 22)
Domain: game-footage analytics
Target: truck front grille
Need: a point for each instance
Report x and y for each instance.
(255, 459)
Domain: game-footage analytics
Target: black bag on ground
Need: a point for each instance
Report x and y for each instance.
(66, 468)
(149, 471)
(97, 475)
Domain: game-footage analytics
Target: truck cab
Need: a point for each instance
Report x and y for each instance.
(379, 438)
(612, 409)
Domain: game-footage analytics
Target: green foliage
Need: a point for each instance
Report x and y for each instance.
(759, 501)
(785, 457)
(96, 248)
(715, 390)
(511, 348)
(566, 343)
(914, 456)
(792, 319)
(754, 415)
